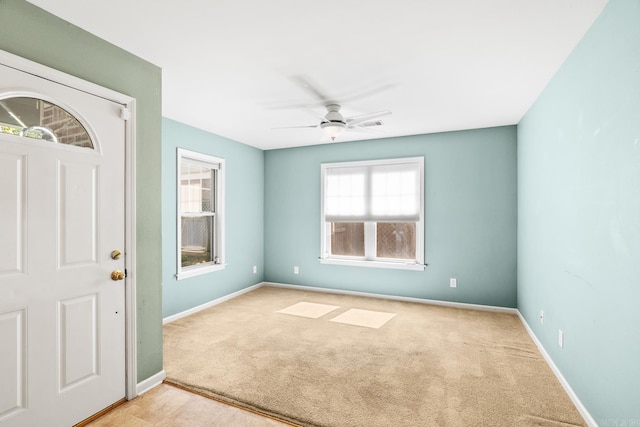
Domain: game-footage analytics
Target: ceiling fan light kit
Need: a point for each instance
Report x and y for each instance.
(333, 129)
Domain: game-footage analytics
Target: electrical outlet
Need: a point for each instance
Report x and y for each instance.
(296, 270)
(560, 338)
(542, 317)
(255, 269)
(453, 282)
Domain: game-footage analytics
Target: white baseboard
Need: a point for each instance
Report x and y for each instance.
(396, 298)
(565, 384)
(209, 304)
(154, 380)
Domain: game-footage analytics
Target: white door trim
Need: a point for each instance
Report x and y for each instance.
(129, 103)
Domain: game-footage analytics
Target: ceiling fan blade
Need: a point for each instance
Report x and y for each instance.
(296, 127)
(314, 113)
(366, 127)
(312, 88)
(368, 92)
(354, 120)
(368, 124)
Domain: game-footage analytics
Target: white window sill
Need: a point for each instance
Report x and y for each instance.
(376, 264)
(197, 271)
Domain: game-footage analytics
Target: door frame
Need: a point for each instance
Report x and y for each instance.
(129, 115)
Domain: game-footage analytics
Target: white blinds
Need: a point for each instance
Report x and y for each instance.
(373, 191)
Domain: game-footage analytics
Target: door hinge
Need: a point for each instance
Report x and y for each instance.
(125, 114)
(125, 272)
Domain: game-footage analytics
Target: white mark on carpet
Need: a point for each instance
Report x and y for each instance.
(366, 318)
(308, 309)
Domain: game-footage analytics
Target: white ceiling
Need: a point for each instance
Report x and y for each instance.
(438, 65)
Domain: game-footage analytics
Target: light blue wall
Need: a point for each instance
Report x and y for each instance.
(244, 218)
(470, 217)
(579, 216)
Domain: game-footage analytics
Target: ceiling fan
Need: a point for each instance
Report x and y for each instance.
(333, 123)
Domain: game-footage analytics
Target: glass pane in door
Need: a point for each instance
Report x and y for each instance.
(39, 119)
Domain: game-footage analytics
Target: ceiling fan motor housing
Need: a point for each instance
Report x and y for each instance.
(333, 114)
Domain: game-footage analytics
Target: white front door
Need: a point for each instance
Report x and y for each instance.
(62, 317)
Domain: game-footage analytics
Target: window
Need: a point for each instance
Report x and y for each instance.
(372, 213)
(200, 214)
(38, 119)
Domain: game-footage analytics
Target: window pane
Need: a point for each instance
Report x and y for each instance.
(196, 240)
(38, 119)
(206, 203)
(396, 240)
(345, 194)
(347, 238)
(394, 192)
(195, 188)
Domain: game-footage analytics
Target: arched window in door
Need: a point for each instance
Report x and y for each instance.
(43, 120)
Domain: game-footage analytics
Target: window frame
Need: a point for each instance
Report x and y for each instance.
(218, 200)
(370, 260)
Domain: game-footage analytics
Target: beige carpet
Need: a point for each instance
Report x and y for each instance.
(427, 366)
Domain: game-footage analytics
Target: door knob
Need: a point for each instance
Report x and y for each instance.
(117, 275)
(115, 254)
